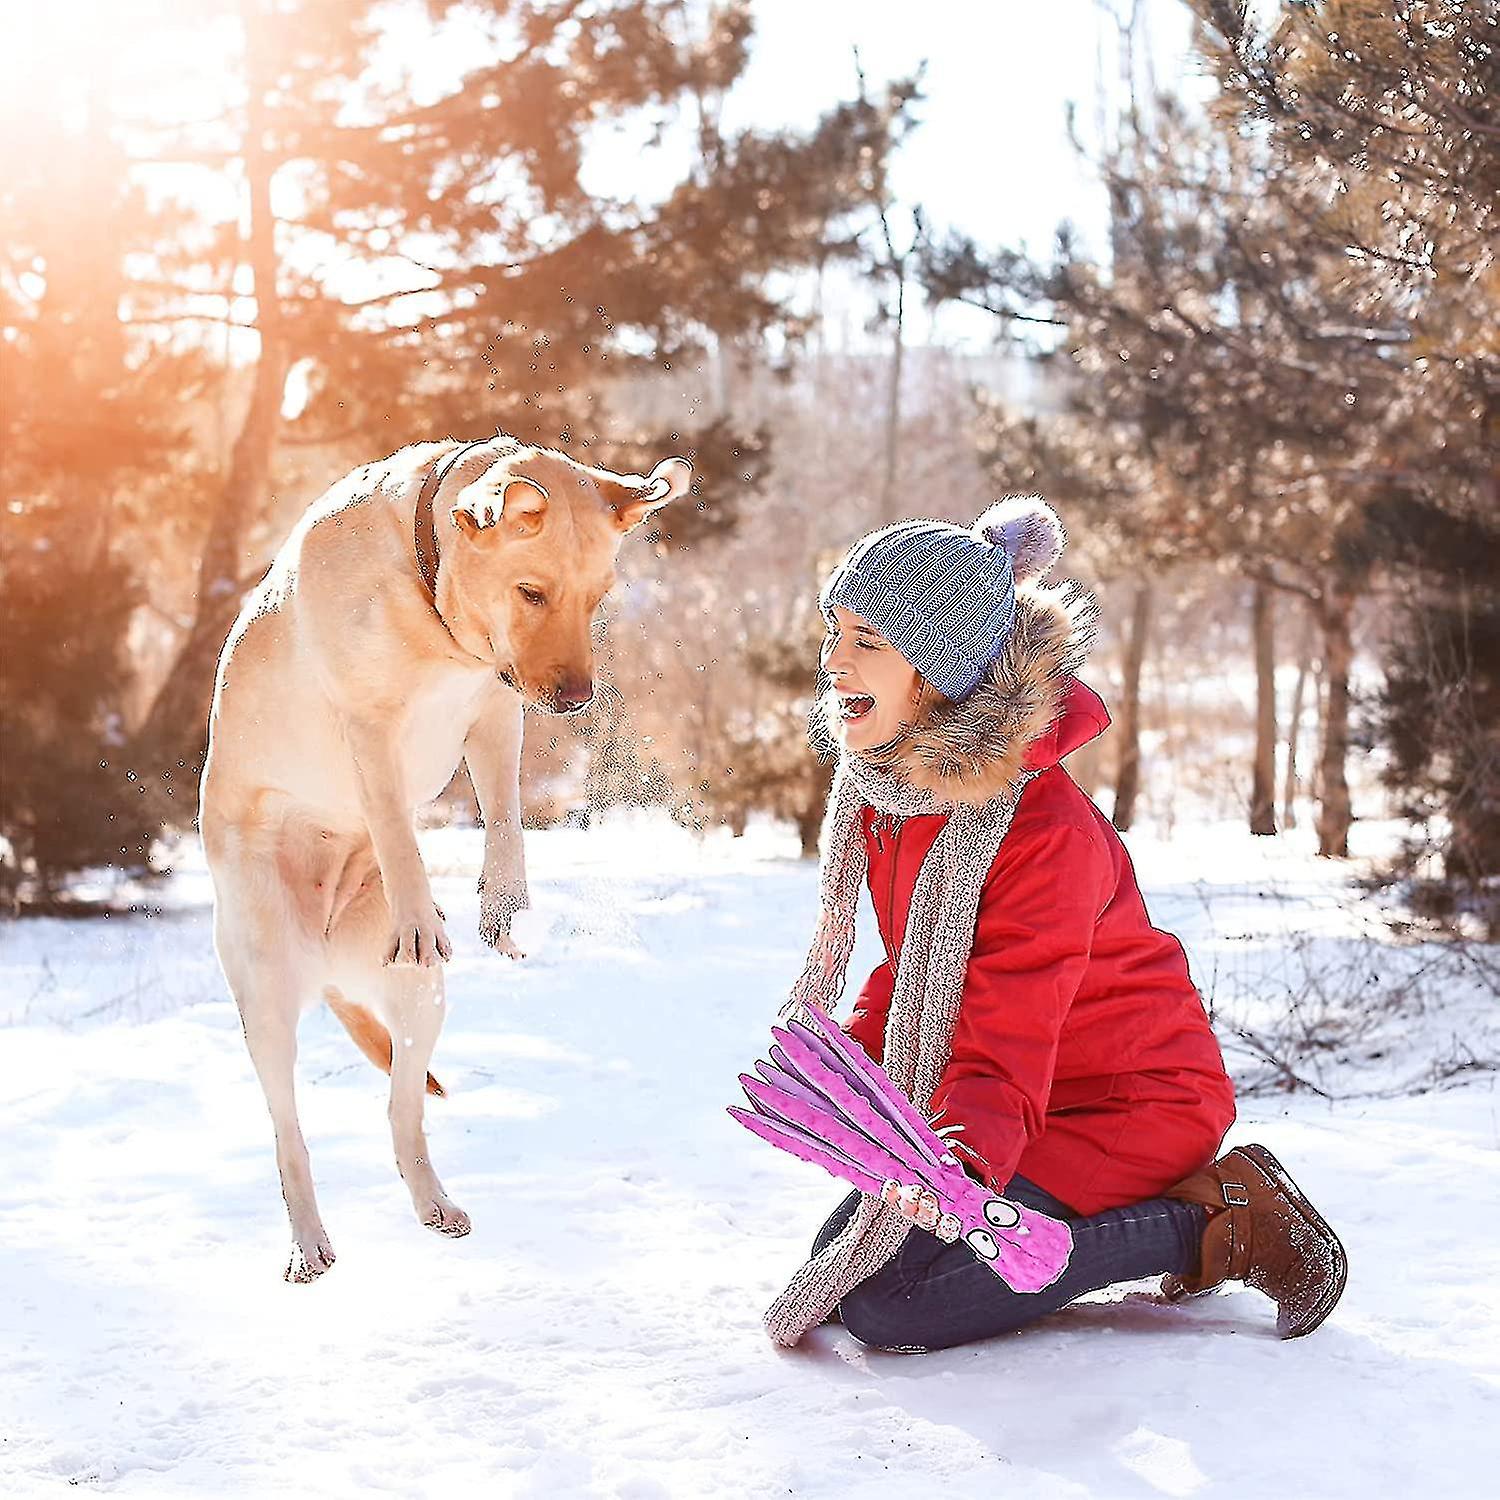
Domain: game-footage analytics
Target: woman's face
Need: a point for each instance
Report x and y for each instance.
(878, 689)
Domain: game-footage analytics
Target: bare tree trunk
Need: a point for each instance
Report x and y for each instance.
(820, 326)
(1294, 729)
(722, 378)
(1335, 612)
(1128, 777)
(1263, 780)
(893, 401)
(176, 723)
(810, 813)
(1320, 704)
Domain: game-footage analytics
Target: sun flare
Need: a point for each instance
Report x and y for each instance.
(91, 66)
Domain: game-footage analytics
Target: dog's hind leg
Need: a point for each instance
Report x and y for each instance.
(271, 971)
(271, 1033)
(408, 1001)
(413, 1004)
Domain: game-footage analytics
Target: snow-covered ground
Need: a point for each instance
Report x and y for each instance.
(599, 1332)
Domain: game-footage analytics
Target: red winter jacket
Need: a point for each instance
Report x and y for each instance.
(1082, 1057)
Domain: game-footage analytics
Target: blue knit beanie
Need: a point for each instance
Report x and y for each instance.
(943, 596)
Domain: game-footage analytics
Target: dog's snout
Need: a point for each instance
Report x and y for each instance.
(571, 696)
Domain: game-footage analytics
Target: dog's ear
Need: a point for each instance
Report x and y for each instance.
(667, 482)
(515, 499)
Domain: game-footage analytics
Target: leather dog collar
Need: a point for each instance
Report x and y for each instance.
(423, 527)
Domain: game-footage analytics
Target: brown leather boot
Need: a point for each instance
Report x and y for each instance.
(1262, 1231)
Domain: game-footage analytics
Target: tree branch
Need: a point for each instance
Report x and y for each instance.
(1267, 574)
(1003, 312)
(149, 320)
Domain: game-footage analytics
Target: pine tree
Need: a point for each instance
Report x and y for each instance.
(1225, 381)
(1391, 113)
(353, 254)
(86, 434)
(445, 269)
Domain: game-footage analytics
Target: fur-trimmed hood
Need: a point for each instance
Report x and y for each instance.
(974, 750)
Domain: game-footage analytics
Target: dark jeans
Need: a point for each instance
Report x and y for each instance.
(932, 1296)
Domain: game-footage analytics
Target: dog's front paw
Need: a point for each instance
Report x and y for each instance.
(494, 930)
(495, 915)
(503, 943)
(418, 937)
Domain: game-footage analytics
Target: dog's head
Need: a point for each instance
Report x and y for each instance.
(531, 553)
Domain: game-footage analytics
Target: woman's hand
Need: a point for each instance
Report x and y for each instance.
(920, 1205)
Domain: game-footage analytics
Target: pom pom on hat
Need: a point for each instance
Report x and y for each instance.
(1029, 531)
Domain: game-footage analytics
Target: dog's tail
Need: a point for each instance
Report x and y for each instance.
(369, 1035)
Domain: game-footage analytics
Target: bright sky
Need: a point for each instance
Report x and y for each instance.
(992, 155)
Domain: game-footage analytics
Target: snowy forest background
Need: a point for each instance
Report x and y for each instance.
(247, 245)
(1265, 403)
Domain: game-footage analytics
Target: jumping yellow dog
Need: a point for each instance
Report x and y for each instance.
(412, 613)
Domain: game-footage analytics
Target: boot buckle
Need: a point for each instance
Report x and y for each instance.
(1235, 1195)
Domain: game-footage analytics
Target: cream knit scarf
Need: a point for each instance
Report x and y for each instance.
(924, 1004)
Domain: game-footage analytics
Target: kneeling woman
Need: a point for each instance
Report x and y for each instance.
(1025, 1002)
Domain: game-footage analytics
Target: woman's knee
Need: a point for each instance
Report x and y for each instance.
(884, 1321)
(913, 1305)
